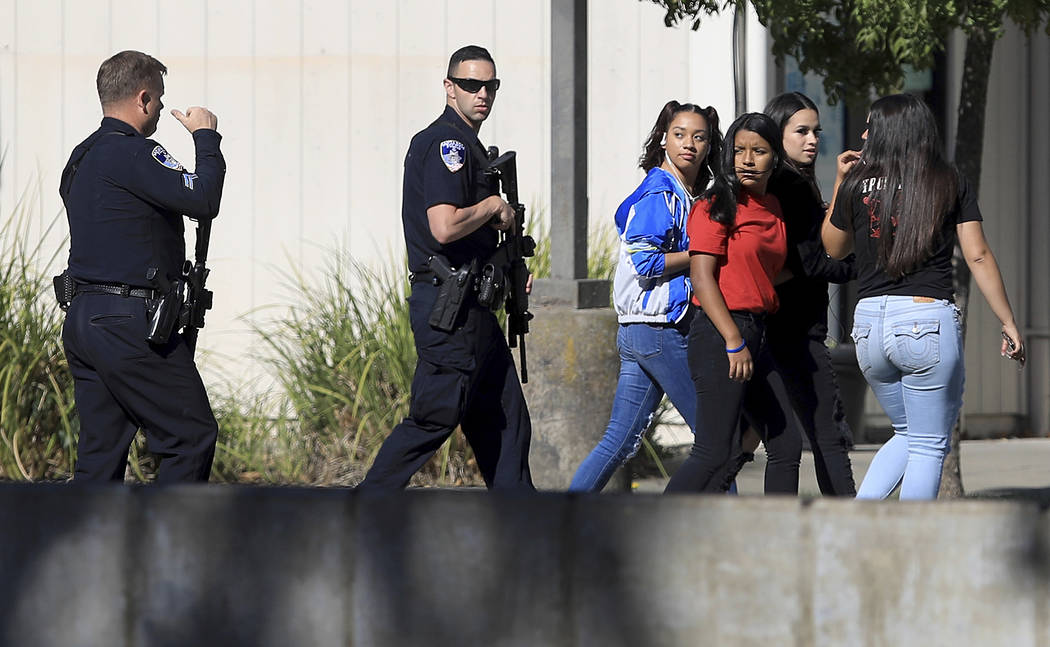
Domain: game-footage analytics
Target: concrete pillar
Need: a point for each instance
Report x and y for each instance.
(572, 378)
(569, 139)
(573, 363)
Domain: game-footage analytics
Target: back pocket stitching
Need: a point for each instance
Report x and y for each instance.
(918, 344)
(862, 340)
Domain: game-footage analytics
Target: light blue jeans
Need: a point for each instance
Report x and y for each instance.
(652, 362)
(910, 351)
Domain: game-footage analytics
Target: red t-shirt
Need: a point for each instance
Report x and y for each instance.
(751, 252)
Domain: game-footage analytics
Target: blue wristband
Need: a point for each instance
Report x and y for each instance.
(738, 348)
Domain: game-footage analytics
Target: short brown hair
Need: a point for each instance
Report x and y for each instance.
(122, 75)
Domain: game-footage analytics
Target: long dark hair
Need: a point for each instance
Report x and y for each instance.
(904, 147)
(653, 151)
(781, 109)
(725, 190)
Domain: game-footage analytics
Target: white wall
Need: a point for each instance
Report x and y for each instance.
(1013, 199)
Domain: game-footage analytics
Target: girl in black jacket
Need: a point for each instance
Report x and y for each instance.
(796, 332)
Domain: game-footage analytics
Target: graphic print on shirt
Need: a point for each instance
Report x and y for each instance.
(874, 224)
(874, 227)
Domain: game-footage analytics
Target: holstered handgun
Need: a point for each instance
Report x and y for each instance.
(452, 291)
(164, 313)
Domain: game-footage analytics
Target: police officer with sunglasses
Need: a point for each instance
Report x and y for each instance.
(465, 375)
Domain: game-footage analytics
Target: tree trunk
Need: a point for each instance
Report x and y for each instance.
(969, 145)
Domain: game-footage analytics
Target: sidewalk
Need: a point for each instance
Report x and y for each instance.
(1010, 467)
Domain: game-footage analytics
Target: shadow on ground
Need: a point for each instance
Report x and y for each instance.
(1040, 495)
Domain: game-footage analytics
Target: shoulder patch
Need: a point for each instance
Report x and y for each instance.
(165, 159)
(452, 154)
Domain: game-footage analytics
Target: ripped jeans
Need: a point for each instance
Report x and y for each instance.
(910, 351)
(652, 362)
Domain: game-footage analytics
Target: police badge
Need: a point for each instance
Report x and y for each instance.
(452, 154)
(165, 159)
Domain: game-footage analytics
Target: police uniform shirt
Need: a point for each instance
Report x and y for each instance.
(445, 164)
(125, 197)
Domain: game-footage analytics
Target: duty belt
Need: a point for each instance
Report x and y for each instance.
(423, 276)
(120, 289)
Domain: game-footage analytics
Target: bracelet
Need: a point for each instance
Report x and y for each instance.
(739, 348)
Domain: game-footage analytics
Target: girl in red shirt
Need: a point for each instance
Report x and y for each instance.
(737, 247)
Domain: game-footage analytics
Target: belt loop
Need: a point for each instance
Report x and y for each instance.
(125, 290)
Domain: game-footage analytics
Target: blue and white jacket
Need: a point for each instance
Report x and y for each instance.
(651, 223)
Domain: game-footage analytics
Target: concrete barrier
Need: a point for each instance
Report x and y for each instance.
(211, 565)
(574, 365)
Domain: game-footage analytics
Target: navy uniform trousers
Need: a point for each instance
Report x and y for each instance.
(464, 378)
(122, 383)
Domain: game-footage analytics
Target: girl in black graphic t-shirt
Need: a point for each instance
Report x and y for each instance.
(901, 207)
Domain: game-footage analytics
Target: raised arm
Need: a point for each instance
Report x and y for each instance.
(158, 178)
(838, 242)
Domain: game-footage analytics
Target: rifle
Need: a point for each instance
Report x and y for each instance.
(198, 298)
(509, 259)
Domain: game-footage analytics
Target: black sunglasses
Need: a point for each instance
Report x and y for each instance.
(474, 86)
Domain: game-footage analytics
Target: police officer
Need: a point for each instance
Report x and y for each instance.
(125, 199)
(464, 376)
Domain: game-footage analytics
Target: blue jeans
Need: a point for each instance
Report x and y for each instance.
(652, 362)
(910, 351)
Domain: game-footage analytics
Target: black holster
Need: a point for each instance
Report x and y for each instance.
(164, 313)
(453, 287)
(491, 286)
(65, 289)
